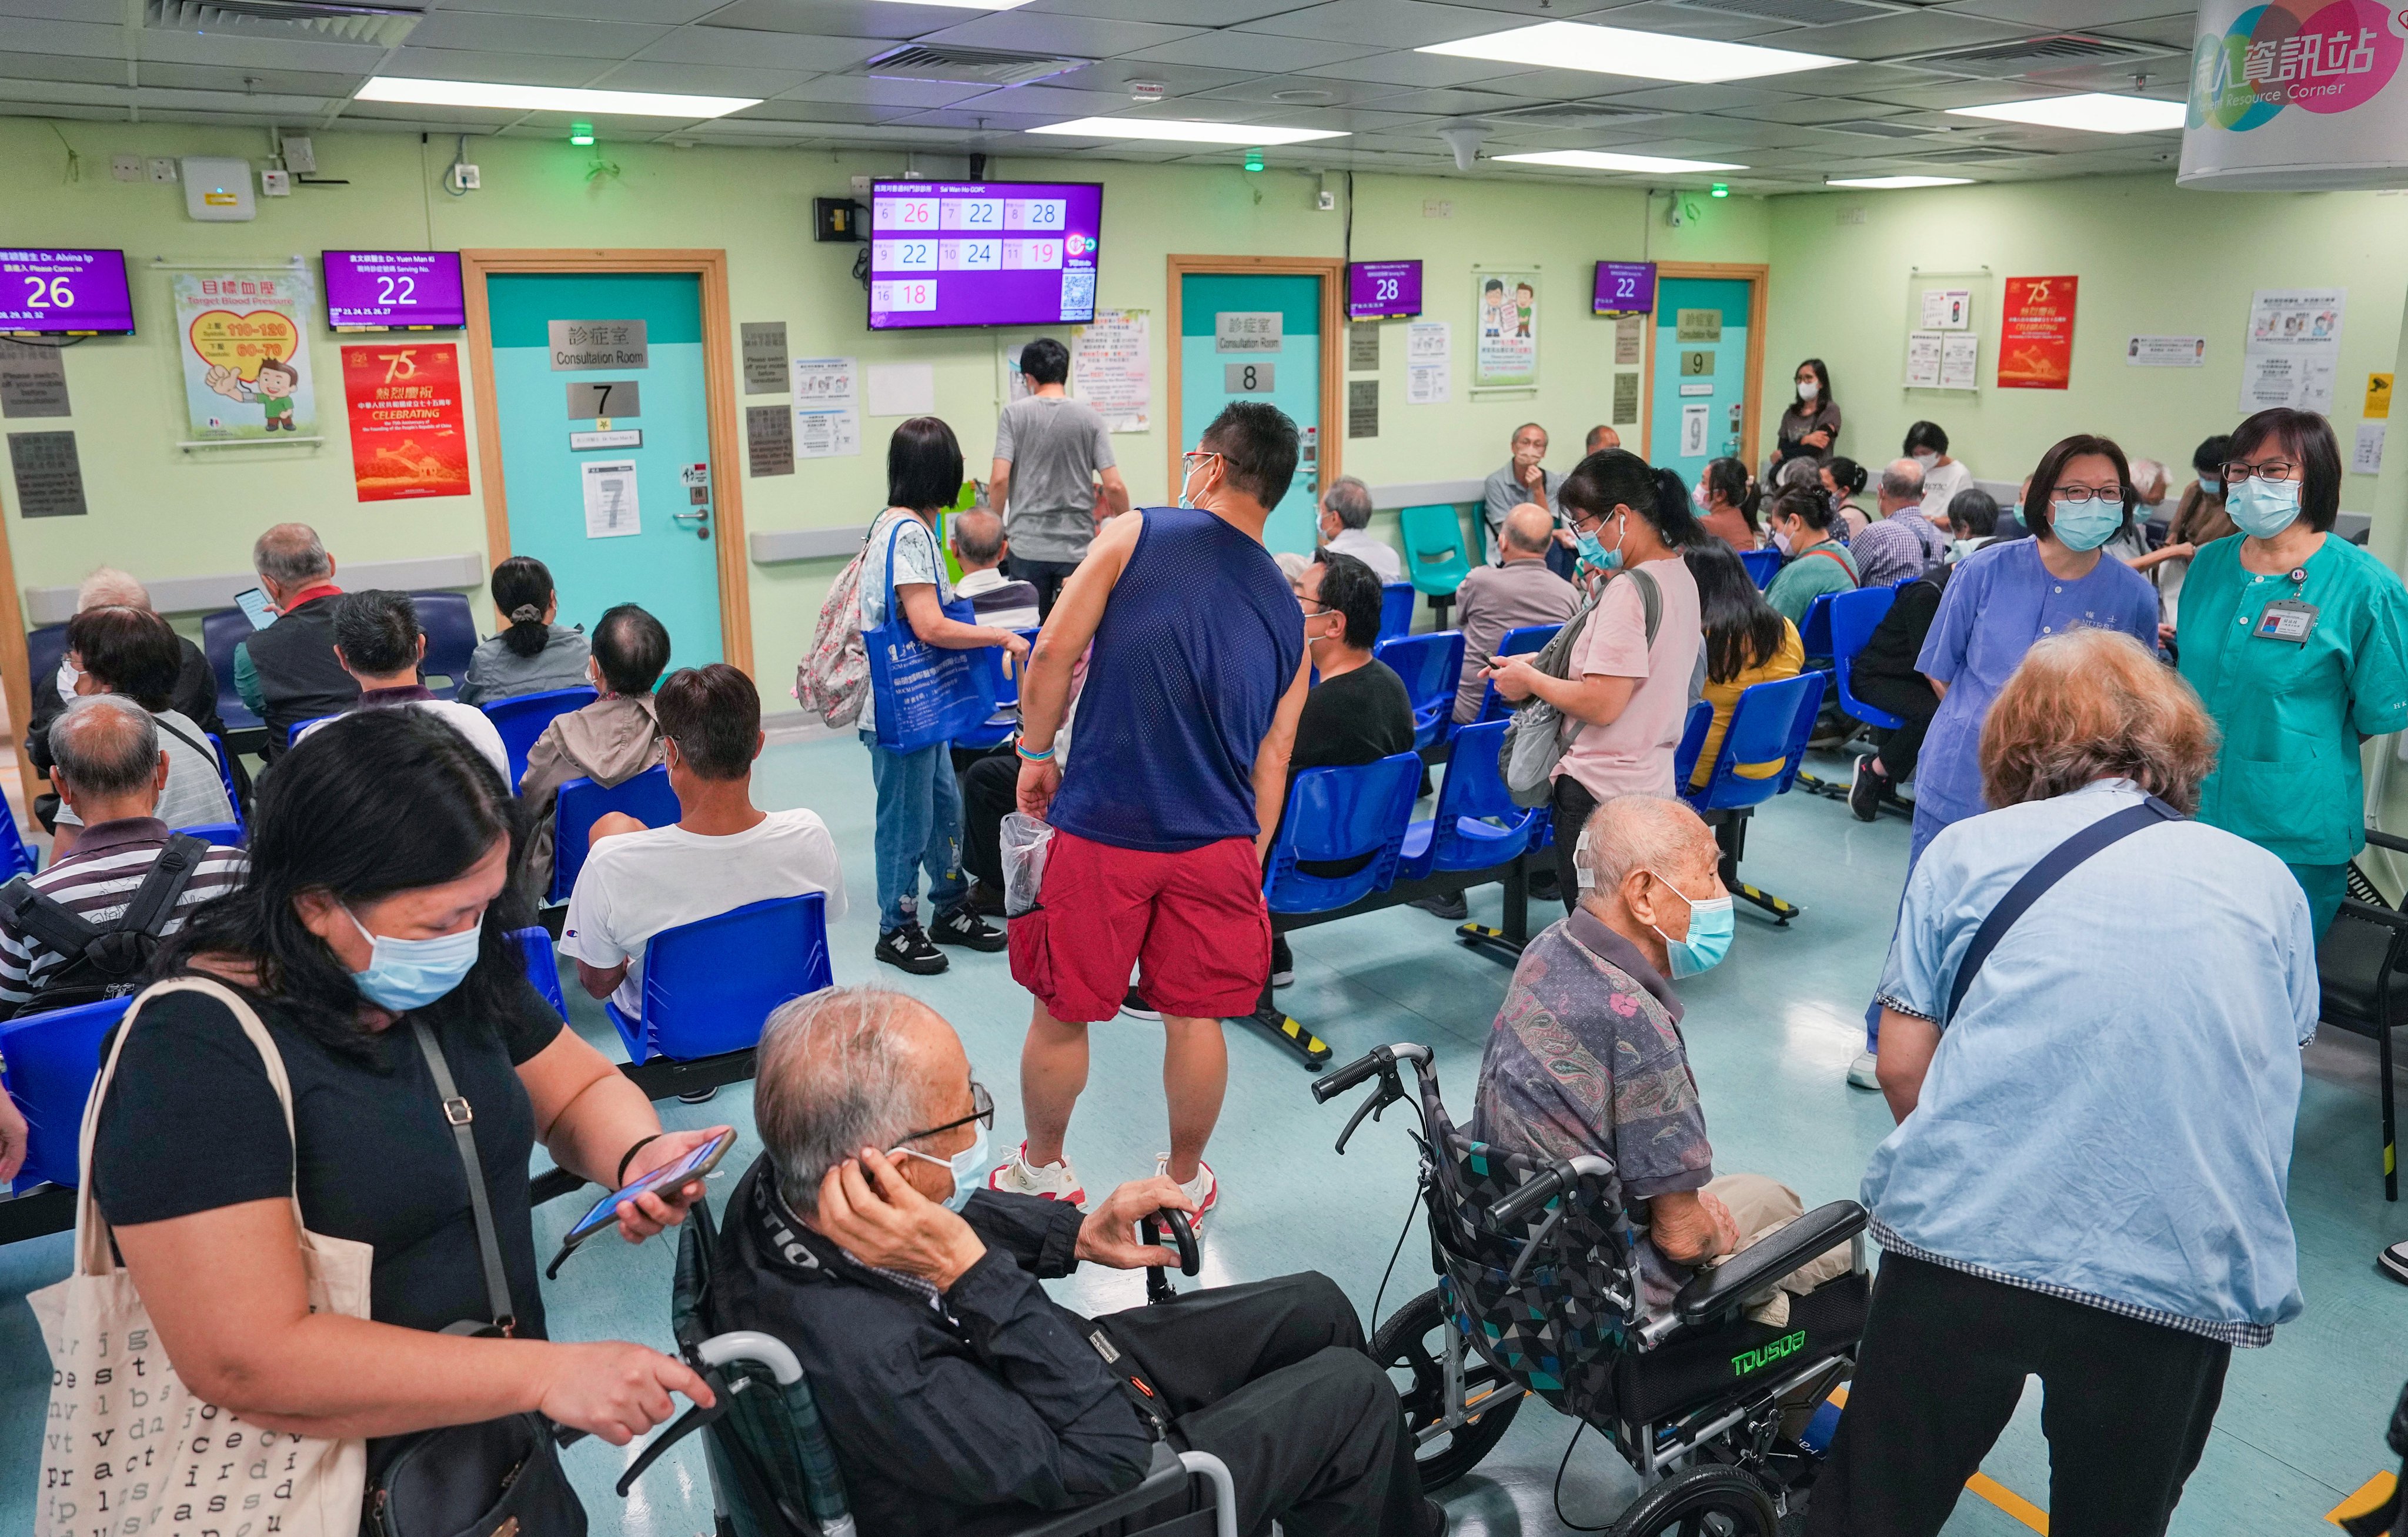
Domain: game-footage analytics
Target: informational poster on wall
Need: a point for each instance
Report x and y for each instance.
(1626, 400)
(1947, 308)
(1111, 367)
(2366, 454)
(610, 509)
(2292, 354)
(1429, 359)
(2036, 334)
(48, 474)
(827, 419)
(1363, 347)
(1697, 425)
(765, 356)
(32, 380)
(1923, 360)
(1626, 330)
(1960, 361)
(2165, 351)
(409, 436)
(769, 440)
(1362, 408)
(1506, 328)
(245, 359)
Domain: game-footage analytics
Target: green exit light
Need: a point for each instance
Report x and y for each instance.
(582, 133)
(1722, 188)
(1254, 160)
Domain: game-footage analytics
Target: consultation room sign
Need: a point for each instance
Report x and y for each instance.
(599, 344)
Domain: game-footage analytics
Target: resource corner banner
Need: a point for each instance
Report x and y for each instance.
(2036, 334)
(246, 354)
(2296, 94)
(407, 436)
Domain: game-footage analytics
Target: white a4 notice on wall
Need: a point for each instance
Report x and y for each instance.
(610, 509)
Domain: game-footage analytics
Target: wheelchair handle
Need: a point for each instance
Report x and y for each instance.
(1182, 1238)
(1545, 1185)
(1331, 1084)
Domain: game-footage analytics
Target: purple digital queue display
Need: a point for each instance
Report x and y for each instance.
(983, 253)
(1624, 288)
(1383, 289)
(65, 293)
(394, 290)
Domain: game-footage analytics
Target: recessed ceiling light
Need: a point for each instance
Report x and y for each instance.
(546, 98)
(1608, 160)
(1185, 131)
(2094, 112)
(1619, 50)
(1883, 183)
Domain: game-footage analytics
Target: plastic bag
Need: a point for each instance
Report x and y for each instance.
(1025, 842)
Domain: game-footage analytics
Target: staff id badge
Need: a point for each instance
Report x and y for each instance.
(2287, 619)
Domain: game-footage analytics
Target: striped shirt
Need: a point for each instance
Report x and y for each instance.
(95, 883)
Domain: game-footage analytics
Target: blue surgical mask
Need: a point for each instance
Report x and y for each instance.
(1594, 552)
(2085, 525)
(2210, 484)
(2261, 507)
(966, 1165)
(404, 974)
(1712, 924)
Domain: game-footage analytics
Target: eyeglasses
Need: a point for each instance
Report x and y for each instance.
(1191, 461)
(2270, 469)
(981, 1110)
(2078, 495)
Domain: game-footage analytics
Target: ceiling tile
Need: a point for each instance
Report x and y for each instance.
(2071, 15)
(544, 35)
(1051, 103)
(36, 34)
(454, 64)
(2175, 32)
(229, 47)
(1178, 80)
(1253, 52)
(1824, 109)
(669, 13)
(1399, 23)
(1417, 70)
(788, 109)
(1896, 37)
(747, 47)
(1705, 98)
(1200, 13)
(1302, 89)
(1073, 36)
(697, 80)
(867, 91)
(1651, 17)
(1455, 103)
(832, 18)
(263, 80)
(100, 12)
(70, 66)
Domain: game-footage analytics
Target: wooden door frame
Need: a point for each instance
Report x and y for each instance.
(719, 401)
(1758, 278)
(16, 679)
(1331, 270)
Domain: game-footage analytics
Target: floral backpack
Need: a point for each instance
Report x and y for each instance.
(833, 677)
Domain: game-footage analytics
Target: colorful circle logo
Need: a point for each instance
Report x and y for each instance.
(1077, 245)
(2338, 57)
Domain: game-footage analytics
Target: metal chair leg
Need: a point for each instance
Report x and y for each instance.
(2390, 1138)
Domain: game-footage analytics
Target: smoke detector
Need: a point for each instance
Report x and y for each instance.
(1146, 92)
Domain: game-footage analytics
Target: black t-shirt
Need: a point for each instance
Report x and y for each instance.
(192, 1124)
(1352, 719)
(1891, 651)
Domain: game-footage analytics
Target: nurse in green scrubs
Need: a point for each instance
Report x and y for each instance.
(2297, 640)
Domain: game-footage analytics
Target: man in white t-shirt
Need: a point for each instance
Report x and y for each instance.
(722, 853)
(378, 641)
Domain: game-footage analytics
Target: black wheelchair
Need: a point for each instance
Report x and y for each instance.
(1723, 1418)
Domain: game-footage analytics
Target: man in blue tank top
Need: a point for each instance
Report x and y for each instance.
(1163, 815)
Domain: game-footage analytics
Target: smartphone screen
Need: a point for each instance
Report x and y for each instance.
(695, 1164)
(254, 605)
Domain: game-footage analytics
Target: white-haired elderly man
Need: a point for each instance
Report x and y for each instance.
(1345, 527)
(958, 1396)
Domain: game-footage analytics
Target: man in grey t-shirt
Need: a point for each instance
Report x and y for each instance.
(1050, 450)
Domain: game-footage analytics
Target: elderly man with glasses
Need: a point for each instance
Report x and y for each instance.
(958, 1396)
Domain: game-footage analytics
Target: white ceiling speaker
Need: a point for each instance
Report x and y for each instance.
(1465, 142)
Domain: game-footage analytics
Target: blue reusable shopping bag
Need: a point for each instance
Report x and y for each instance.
(925, 694)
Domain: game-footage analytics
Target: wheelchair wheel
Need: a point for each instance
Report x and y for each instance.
(1412, 1345)
(1707, 1501)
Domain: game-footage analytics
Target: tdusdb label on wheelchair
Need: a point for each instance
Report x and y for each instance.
(1763, 1355)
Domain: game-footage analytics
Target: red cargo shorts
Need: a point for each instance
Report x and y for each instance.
(1193, 923)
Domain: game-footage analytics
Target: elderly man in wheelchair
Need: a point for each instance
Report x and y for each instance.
(1586, 1254)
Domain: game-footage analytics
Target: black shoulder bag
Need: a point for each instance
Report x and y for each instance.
(498, 1477)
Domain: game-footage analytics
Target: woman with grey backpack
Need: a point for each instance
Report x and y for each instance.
(1615, 685)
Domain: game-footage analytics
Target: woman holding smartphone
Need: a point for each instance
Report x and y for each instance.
(378, 901)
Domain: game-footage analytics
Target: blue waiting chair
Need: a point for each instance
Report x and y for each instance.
(1336, 816)
(45, 648)
(1520, 640)
(1396, 610)
(647, 798)
(47, 1062)
(1759, 758)
(1435, 561)
(521, 720)
(223, 835)
(292, 732)
(709, 986)
(1814, 630)
(1433, 667)
(225, 774)
(1476, 825)
(542, 965)
(1853, 618)
(1762, 566)
(16, 858)
(220, 632)
(450, 639)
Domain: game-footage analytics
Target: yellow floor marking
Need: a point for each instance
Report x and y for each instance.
(2015, 1504)
(2366, 1497)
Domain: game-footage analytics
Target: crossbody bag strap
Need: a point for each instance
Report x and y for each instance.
(2053, 867)
(153, 903)
(464, 1136)
(198, 747)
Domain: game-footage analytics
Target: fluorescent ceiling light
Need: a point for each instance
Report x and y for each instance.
(1885, 183)
(2094, 113)
(1185, 131)
(1618, 51)
(1608, 160)
(546, 98)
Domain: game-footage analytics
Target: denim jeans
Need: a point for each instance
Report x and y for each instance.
(919, 824)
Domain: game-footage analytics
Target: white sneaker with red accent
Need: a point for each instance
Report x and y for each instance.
(1204, 1190)
(1058, 1181)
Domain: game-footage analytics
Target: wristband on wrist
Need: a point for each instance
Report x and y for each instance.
(1028, 757)
(620, 1179)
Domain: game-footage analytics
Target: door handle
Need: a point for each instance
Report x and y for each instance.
(698, 519)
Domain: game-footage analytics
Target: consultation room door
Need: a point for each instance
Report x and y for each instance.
(1256, 335)
(1702, 379)
(599, 391)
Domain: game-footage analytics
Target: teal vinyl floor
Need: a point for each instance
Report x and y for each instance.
(1770, 1033)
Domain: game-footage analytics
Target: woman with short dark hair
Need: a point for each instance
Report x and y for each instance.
(134, 652)
(534, 653)
(1806, 531)
(2298, 643)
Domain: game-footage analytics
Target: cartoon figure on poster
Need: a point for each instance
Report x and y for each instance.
(272, 391)
(1525, 310)
(1492, 307)
(245, 350)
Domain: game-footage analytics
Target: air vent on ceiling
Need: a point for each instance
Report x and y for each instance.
(383, 25)
(1803, 13)
(1873, 128)
(968, 66)
(2032, 56)
(1572, 114)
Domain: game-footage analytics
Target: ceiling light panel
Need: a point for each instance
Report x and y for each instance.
(1185, 131)
(2093, 113)
(1609, 160)
(546, 98)
(1643, 55)
(1887, 183)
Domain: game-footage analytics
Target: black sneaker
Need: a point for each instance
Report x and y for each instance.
(699, 1096)
(964, 928)
(985, 901)
(1866, 788)
(909, 948)
(2393, 1261)
(1449, 907)
(1136, 1007)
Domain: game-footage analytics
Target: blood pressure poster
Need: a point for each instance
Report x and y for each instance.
(246, 358)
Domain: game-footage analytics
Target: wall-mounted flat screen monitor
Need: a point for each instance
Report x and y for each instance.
(1383, 289)
(983, 253)
(65, 293)
(1624, 288)
(394, 290)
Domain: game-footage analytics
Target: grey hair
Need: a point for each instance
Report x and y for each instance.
(978, 535)
(109, 587)
(1292, 564)
(1636, 832)
(2147, 473)
(1903, 478)
(832, 1077)
(1529, 528)
(1798, 475)
(105, 744)
(1351, 499)
(290, 554)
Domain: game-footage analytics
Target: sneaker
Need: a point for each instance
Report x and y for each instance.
(699, 1096)
(1864, 1072)
(962, 927)
(1450, 907)
(1283, 962)
(985, 901)
(909, 948)
(1204, 1190)
(1135, 1005)
(1867, 787)
(2393, 1261)
(1017, 1176)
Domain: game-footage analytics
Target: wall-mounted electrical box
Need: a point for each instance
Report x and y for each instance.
(218, 190)
(836, 219)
